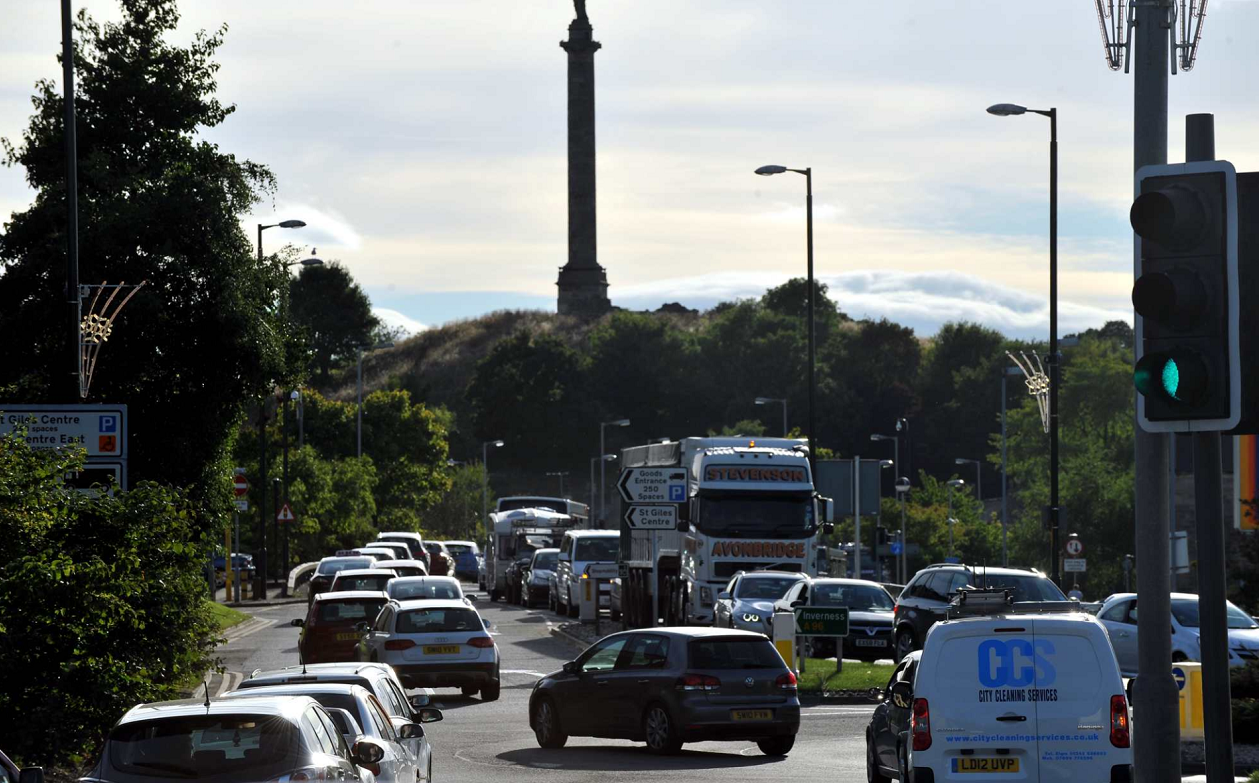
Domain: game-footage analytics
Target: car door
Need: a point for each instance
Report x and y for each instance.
(881, 722)
(641, 676)
(399, 762)
(1120, 622)
(588, 701)
(372, 642)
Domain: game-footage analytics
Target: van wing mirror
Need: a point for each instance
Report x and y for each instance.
(902, 695)
(828, 510)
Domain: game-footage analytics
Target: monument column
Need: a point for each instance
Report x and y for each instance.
(583, 284)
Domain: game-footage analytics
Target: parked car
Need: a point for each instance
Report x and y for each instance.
(1026, 692)
(925, 600)
(466, 557)
(440, 563)
(425, 588)
(357, 579)
(379, 678)
(535, 584)
(614, 597)
(240, 560)
(888, 732)
(406, 567)
(579, 550)
(669, 686)
(329, 567)
(400, 550)
(439, 644)
(747, 602)
(328, 632)
(870, 614)
(408, 757)
(414, 542)
(378, 552)
(480, 571)
(276, 738)
(1119, 616)
(515, 576)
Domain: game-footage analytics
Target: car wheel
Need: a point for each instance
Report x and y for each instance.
(659, 731)
(546, 725)
(490, 692)
(777, 746)
(904, 643)
(873, 773)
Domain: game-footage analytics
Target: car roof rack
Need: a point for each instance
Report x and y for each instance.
(977, 602)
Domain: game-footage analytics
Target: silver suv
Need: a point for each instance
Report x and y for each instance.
(579, 550)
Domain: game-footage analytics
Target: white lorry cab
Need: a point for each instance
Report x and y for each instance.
(1015, 691)
(516, 534)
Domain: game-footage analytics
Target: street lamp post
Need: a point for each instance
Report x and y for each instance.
(603, 459)
(952, 484)
(281, 224)
(896, 471)
(979, 479)
(359, 350)
(1006, 110)
(768, 400)
(561, 474)
(808, 208)
(884, 464)
(902, 487)
(284, 425)
(603, 473)
(485, 476)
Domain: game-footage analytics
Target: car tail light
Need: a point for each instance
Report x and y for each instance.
(896, 607)
(786, 681)
(399, 644)
(1119, 721)
(312, 773)
(698, 682)
(482, 642)
(920, 725)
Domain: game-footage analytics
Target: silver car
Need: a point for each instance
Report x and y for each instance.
(1119, 616)
(748, 601)
(435, 643)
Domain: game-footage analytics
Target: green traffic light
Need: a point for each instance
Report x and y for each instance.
(1171, 379)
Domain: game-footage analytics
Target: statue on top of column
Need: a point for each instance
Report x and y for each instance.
(580, 5)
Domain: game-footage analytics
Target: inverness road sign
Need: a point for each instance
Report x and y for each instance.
(661, 517)
(653, 485)
(821, 620)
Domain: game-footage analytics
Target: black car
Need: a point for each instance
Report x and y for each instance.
(667, 686)
(515, 577)
(326, 572)
(886, 754)
(869, 616)
(925, 600)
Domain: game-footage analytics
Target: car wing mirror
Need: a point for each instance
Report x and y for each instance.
(486, 623)
(31, 775)
(723, 596)
(298, 622)
(472, 597)
(366, 752)
(798, 602)
(571, 667)
(362, 627)
(410, 730)
(430, 715)
(418, 701)
(902, 695)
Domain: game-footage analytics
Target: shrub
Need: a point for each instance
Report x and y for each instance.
(101, 604)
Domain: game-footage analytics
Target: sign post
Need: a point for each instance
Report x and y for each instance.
(652, 517)
(653, 485)
(101, 430)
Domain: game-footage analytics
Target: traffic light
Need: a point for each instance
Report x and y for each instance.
(881, 536)
(1188, 370)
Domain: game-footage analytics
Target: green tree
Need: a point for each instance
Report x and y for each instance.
(643, 368)
(407, 442)
(157, 203)
(458, 514)
(872, 368)
(335, 313)
(335, 503)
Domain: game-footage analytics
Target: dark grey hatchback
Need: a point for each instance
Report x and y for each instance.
(667, 686)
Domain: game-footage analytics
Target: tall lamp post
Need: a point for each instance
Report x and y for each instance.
(766, 171)
(1008, 110)
(359, 350)
(952, 485)
(602, 459)
(561, 474)
(896, 471)
(979, 479)
(485, 476)
(603, 473)
(768, 400)
(902, 488)
(884, 464)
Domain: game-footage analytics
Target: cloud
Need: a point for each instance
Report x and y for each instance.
(396, 320)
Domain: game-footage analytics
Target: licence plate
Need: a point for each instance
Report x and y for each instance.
(751, 714)
(441, 649)
(345, 637)
(978, 764)
(870, 642)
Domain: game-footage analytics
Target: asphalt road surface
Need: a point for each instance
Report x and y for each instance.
(479, 741)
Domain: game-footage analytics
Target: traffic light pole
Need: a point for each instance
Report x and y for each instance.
(1208, 509)
(1157, 733)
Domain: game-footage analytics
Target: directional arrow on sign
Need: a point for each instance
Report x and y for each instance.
(285, 514)
(662, 517)
(653, 485)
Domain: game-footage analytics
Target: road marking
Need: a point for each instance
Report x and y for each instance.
(539, 675)
(246, 628)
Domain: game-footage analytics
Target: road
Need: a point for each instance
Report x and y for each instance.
(479, 740)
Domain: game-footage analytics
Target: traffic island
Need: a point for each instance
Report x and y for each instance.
(857, 683)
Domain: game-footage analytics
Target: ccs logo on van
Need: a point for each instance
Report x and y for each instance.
(1009, 667)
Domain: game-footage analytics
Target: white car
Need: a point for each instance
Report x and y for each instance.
(405, 567)
(579, 550)
(1026, 692)
(747, 603)
(435, 643)
(372, 579)
(407, 759)
(1119, 616)
(427, 588)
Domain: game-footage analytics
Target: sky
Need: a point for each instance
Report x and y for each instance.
(424, 144)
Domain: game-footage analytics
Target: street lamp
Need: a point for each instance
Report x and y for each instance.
(979, 479)
(485, 475)
(766, 171)
(601, 460)
(902, 488)
(359, 350)
(561, 474)
(281, 224)
(896, 469)
(603, 473)
(768, 400)
(1009, 110)
(952, 484)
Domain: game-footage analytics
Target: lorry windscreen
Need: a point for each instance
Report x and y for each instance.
(760, 515)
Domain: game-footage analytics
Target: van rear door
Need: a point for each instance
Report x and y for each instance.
(982, 723)
(1076, 676)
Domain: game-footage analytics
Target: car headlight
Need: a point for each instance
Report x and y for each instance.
(749, 617)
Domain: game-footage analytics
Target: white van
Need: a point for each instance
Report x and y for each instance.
(1023, 691)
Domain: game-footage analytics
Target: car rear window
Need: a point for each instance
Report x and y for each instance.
(458, 549)
(343, 563)
(408, 571)
(413, 591)
(206, 747)
(436, 620)
(765, 587)
(1025, 588)
(373, 582)
(858, 598)
(350, 611)
(733, 654)
(597, 548)
(546, 561)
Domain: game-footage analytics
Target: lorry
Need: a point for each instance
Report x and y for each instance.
(578, 511)
(518, 533)
(750, 504)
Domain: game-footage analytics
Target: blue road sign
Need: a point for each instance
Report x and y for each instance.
(896, 547)
(952, 559)
(1178, 674)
